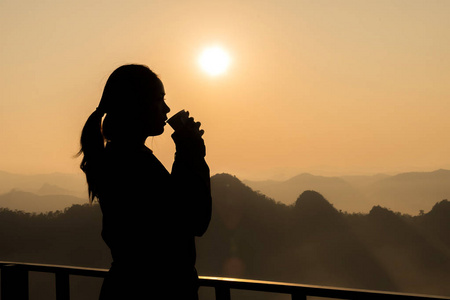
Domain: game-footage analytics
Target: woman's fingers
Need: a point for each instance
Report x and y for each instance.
(194, 125)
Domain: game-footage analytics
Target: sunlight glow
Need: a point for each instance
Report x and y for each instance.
(214, 61)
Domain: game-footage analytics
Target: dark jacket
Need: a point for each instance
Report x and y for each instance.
(150, 220)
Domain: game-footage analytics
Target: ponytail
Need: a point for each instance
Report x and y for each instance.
(124, 89)
(92, 146)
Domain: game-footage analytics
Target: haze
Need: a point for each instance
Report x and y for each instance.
(328, 87)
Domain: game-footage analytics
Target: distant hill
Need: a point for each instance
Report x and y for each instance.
(51, 189)
(407, 192)
(30, 202)
(345, 196)
(410, 192)
(72, 184)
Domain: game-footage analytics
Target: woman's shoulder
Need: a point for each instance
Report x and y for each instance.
(130, 159)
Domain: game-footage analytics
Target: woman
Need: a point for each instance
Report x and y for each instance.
(150, 216)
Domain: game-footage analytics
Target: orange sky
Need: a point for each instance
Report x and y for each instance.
(328, 87)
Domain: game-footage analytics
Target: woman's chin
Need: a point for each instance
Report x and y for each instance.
(156, 132)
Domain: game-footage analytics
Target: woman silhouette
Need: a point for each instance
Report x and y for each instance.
(150, 216)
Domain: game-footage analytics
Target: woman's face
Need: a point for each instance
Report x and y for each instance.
(155, 112)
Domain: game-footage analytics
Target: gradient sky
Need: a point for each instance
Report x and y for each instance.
(325, 86)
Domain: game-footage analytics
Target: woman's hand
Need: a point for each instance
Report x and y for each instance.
(188, 140)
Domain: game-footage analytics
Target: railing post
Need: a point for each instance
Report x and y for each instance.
(14, 283)
(297, 296)
(62, 286)
(222, 293)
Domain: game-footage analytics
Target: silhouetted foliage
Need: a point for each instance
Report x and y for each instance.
(252, 236)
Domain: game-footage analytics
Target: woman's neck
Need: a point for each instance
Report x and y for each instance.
(129, 141)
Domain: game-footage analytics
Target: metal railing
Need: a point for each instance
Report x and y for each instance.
(14, 285)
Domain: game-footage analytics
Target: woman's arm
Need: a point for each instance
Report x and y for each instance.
(191, 177)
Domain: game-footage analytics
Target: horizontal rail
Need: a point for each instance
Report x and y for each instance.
(19, 271)
(308, 290)
(46, 268)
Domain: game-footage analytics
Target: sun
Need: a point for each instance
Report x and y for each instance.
(214, 60)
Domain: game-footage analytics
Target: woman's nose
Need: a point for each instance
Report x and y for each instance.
(167, 108)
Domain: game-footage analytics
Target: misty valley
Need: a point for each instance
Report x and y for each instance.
(315, 239)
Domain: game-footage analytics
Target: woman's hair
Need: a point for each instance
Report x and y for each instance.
(125, 90)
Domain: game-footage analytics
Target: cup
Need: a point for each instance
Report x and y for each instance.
(178, 120)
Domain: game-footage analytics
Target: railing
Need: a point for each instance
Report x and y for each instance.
(14, 285)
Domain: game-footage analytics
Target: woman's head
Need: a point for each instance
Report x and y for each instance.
(133, 101)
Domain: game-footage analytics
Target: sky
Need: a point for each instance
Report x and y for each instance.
(329, 87)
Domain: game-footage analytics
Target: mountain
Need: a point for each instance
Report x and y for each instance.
(408, 193)
(75, 184)
(327, 244)
(30, 202)
(363, 181)
(345, 196)
(51, 189)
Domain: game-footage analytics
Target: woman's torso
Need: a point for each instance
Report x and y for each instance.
(142, 216)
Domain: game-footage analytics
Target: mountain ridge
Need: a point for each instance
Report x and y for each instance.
(31, 202)
(410, 192)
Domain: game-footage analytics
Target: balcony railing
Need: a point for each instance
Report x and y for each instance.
(14, 285)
